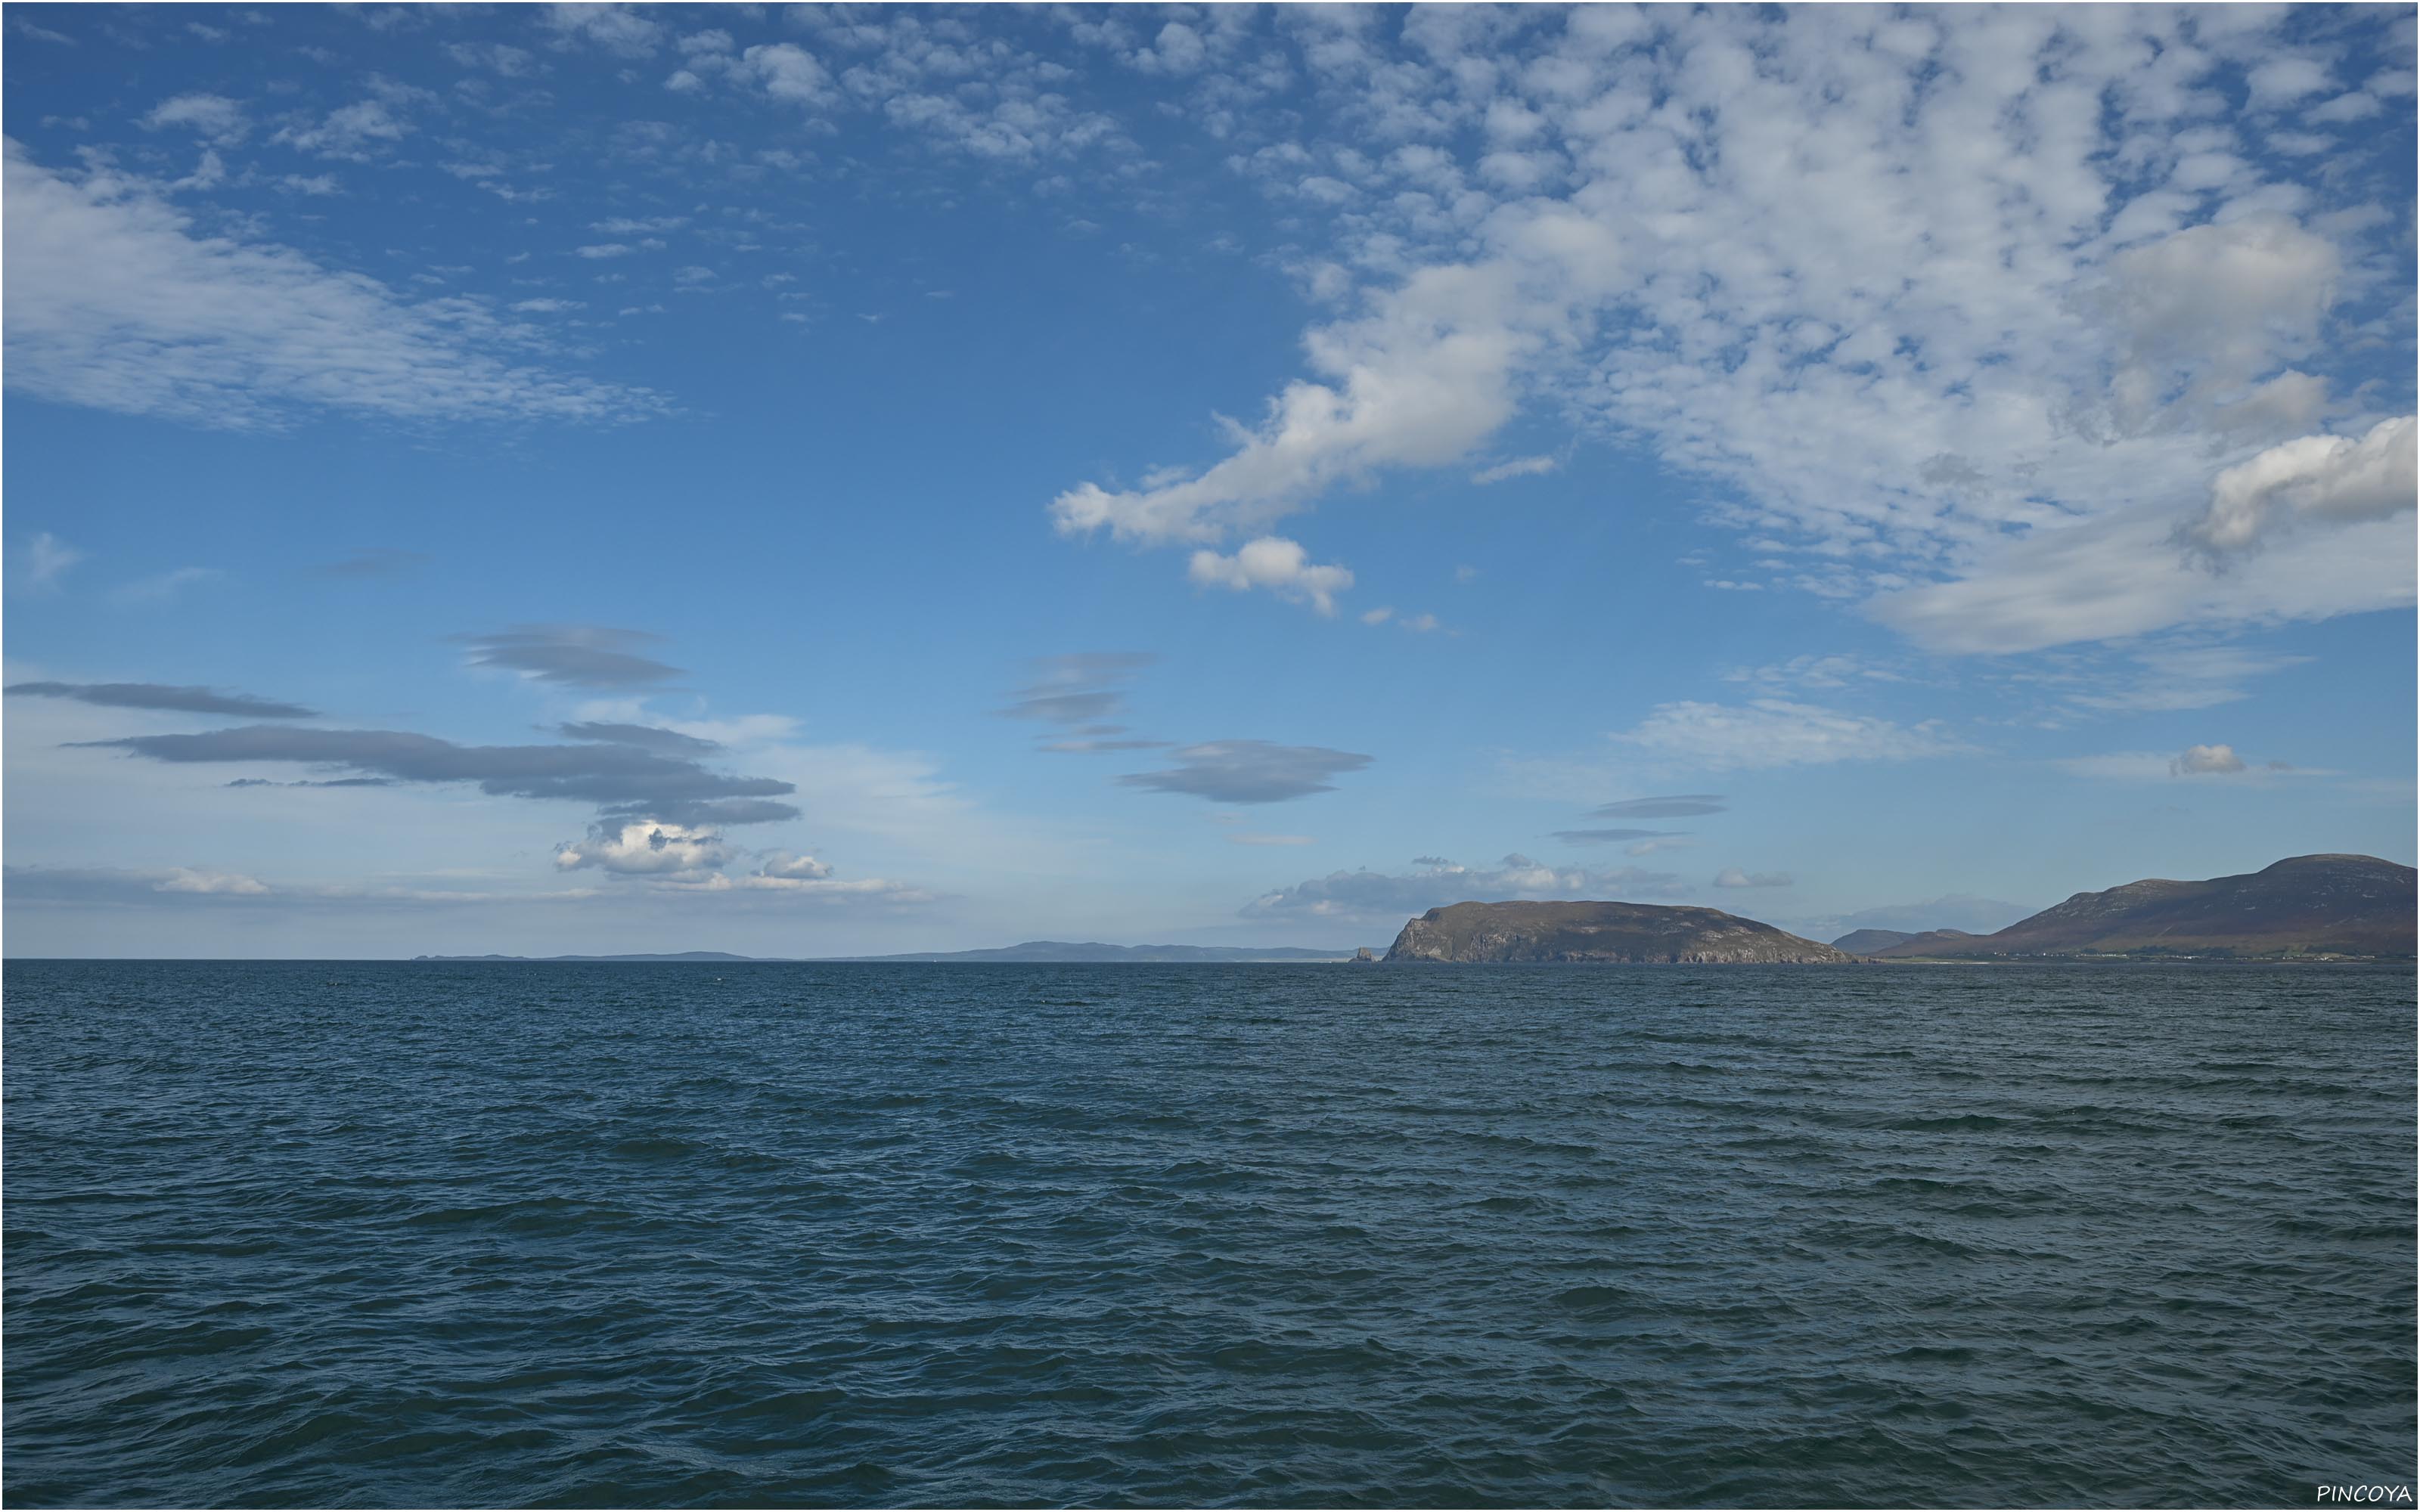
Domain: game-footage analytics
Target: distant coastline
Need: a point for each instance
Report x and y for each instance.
(1036, 952)
(2315, 909)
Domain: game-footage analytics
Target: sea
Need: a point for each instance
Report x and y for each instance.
(346, 1233)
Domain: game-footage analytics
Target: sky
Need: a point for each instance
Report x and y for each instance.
(815, 481)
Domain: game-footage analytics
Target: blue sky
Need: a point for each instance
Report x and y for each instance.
(809, 480)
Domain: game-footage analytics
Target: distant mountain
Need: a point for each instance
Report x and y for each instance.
(2304, 906)
(1091, 951)
(1866, 941)
(1597, 933)
(1931, 941)
(1955, 910)
(701, 957)
(1039, 951)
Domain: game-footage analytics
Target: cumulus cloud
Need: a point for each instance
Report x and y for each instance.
(1249, 771)
(1732, 876)
(1767, 733)
(790, 867)
(116, 301)
(785, 72)
(2201, 760)
(645, 848)
(1437, 882)
(1276, 563)
(618, 29)
(348, 132)
(573, 656)
(214, 119)
(496, 58)
(2324, 479)
(165, 697)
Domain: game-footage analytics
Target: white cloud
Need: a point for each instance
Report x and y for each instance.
(2124, 574)
(2198, 759)
(2208, 308)
(686, 859)
(1814, 670)
(2328, 479)
(977, 94)
(2355, 107)
(2196, 762)
(1415, 384)
(213, 117)
(1654, 843)
(2172, 678)
(186, 879)
(511, 62)
(1908, 297)
(47, 559)
(348, 132)
(618, 29)
(785, 865)
(2281, 81)
(162, 587)
(116, 301)
(1276, 563)
(1768, 732)
(646, 848)
(788, 73)
(1732, 876)
(1179, 49)
(832, 889)
(1519, 467)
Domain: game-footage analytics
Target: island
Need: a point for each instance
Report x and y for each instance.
(1594, 934)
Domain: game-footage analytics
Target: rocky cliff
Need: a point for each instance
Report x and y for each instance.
(1598, 934)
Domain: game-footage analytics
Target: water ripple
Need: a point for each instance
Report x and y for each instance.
(284, 1235)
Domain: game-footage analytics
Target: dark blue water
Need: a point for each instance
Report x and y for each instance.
(342, 1234)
